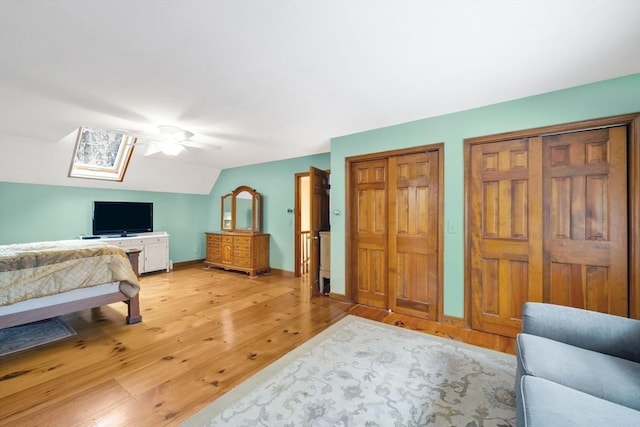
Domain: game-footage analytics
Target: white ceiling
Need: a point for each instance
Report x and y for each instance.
(270, 80)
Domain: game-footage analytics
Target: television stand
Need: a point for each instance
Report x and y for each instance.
(154, 247)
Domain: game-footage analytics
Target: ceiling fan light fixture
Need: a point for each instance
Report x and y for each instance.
(171, 141)
(174, 133)
(171, 149)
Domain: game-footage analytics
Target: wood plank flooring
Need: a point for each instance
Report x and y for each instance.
(203, 332)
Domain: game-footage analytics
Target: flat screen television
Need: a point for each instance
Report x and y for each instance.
(122, 218)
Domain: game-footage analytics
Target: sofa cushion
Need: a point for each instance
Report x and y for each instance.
(600, 375)
(547, 404)
(601, 332)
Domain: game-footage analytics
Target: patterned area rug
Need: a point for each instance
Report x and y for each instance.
(31, 335)
(364, 373)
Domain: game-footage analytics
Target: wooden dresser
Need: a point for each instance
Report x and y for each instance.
(238, 251)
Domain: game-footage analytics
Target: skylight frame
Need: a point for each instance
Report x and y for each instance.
(101, 154)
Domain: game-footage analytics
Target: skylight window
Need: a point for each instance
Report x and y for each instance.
(101, 154)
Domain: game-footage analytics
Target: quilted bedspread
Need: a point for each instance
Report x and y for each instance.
(32, 270)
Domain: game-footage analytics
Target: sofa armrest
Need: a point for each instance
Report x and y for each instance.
(604, 333)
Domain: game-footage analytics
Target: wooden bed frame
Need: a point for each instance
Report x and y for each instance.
(133, 310)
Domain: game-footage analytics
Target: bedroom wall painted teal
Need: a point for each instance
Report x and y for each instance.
(42, 212)
(275, 181)
(39, 212)
(607, 98)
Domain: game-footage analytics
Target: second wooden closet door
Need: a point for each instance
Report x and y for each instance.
(548, 222)
(413, 234)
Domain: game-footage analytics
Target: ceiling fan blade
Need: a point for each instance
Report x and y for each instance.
(201, 145)
(167, 140)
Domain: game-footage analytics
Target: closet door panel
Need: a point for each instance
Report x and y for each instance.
(369, 223)
(414, 192)
(586, 220)
(504, 200)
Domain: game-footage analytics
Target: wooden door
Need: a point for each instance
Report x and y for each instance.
(319, 212)
(548, 222)
(369, 232)
(505, 232)
(585, 220)
(414, 234)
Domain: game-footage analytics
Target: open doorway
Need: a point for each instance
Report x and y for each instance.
(302, 230)
(311, 218)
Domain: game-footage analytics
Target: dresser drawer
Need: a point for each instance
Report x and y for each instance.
(241, 240)
(241, 247)
(241, 254)
(214, 257)
(242, 261)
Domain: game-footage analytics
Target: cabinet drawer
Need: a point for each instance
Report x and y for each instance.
(242, 240)
(128, 244)
(242, 262)
(241, 247)
(241, 254)
(213, 237)
(227, 239)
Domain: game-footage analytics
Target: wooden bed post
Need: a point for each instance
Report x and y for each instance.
(133, 310)
(133, 255)
(133, 303)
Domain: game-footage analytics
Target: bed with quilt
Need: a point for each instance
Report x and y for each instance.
(47, 279)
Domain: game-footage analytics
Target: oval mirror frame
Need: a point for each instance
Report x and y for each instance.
(241, 211)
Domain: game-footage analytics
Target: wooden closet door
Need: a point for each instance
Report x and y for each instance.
(505, 232)
(369, 232)
(548, 222)
(414, 234)
(585, 222)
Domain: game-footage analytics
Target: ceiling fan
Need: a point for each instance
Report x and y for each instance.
(171, 141)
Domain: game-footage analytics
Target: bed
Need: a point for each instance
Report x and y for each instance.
(48, 279)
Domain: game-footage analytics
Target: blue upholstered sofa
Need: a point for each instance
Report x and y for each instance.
(577, 368)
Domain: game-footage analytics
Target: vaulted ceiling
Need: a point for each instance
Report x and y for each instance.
(270, 80)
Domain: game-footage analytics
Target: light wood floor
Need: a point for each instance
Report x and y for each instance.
(203, 332)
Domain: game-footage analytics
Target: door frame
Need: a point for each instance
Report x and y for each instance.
(632, 122)
(350, 290)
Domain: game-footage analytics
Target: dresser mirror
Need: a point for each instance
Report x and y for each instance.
(241, 210)
(226, 212)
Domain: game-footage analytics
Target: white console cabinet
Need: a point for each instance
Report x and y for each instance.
(154, 247)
